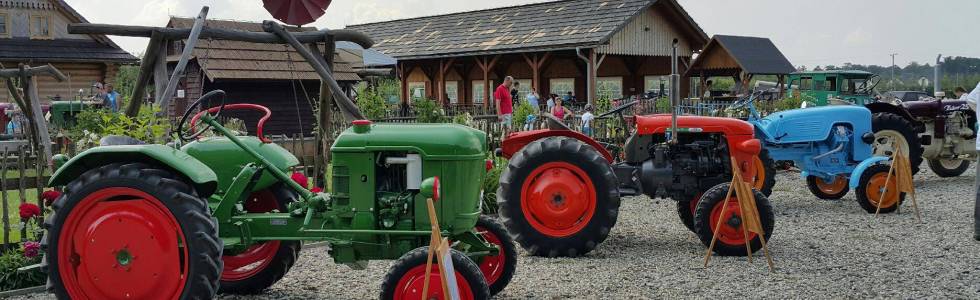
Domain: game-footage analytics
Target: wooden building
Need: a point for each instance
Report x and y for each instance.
(740, 58)
(273, 75)
(35, 32)
(609, 48)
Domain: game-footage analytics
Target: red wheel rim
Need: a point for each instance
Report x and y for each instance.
(694, 204)
(832, 188)
(877, 185)
(492, 266)
(122, 243)
(410, 285)
(558, 199)
(257, 257)
(728, 234)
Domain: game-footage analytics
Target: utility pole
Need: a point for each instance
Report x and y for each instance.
(892, 85)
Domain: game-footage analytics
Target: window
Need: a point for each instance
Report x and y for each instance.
(478, 89)
(40, 27)
(4, 24)
(609, 87)
(831, 84)
(818, 85)
(416, 90)
(807, 83)
(654, 83)
(523, 89)
(561, 86)
(452, 90)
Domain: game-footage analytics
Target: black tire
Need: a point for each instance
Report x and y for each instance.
(686, 213)
(200, 238)
(417, 258)
(936, 165)
(768, 173)
(812, 184)
(278, 265)
(704, 228)
(568, 151)
(893, 122)
(508, 249)
(869, 205)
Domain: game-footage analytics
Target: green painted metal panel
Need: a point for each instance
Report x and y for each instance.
(204, 179)
(432, 141)
(227, 159)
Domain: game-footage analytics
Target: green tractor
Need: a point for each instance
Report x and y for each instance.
(223, 215)
(822, 88)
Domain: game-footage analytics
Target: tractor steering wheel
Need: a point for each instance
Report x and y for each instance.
(743, 102)
(221, 95)
(241, 106)
(619, 109)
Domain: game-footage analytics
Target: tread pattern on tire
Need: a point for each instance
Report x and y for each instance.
(509, 251)
(890, 121)
(770, 168)
(568, 150)
(191, 212)
(811, 183)
(937, 167)
(461, 263)
(704, 228)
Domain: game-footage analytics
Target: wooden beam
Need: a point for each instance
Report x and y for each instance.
(185, 56)
(148, 64)
(324, 116)
(221, 34)
(160, 73)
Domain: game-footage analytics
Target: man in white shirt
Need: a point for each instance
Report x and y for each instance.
(587, 118)
(973, 98)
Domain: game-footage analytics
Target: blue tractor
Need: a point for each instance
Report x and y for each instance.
(832, 146)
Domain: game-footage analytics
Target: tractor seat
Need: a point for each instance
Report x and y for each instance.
(119, 140)
(554, 123)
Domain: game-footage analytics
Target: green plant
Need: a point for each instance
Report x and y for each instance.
(11, 279)
(663, 105)
(788, 103)
(428, 111)
(521, 112)
(490, 185)
(371, 102)
(602, 105)
(93, 124)
(463, 119)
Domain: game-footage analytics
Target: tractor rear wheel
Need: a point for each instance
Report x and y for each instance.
(731, 237)
(874, 181)
(828, 190)
(949, 167)
(406, 278)
(131, 231)
(893, 131)
(685, 210)
(559, 197)
(498, 269)
(261, 265)
(765, 177)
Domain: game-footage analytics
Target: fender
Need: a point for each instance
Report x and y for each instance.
(864, 165)
(517, 141)
(204, 179)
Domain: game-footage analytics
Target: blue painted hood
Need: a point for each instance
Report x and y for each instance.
(812, 124)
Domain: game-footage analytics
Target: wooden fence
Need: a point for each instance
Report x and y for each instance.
(23, 180)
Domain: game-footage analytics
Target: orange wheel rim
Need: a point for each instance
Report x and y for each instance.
(834, 187)
(877, 186)
(760, 174)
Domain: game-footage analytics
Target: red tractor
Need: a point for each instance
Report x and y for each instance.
(560, 193)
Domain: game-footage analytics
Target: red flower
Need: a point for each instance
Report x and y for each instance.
(29, 210)
(32, 249)
(50, 196)
(301, 179)
(316, 190)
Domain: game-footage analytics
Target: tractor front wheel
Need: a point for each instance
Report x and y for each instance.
(261, 265)
(731, 234)
(559, 197)
(498, 269)
(765, 173)
(893, 131)
(406, 278)
(828, 190)
(949, 167)
(875, 182)
(131, 231)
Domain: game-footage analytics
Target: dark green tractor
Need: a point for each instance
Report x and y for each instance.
(223, 214)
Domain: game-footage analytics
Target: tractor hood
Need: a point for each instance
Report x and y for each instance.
(812, 124)
(432, 141)
(658, 124)
(930, 109)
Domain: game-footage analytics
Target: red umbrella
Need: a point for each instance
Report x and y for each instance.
(296, 12)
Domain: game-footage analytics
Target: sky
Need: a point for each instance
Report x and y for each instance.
(809, 33)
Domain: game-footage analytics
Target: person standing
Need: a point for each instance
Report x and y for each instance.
(551, 102)
(515, 92)
(505, 104)
(973, 99)
(960, 93)
(111, 98)
(587, 119)
(533, 98)
(559, 111)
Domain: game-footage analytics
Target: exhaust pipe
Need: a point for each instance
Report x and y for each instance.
(937, 80)
(675, 80)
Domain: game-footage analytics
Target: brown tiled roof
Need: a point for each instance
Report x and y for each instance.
(242, 60)
(534, 27)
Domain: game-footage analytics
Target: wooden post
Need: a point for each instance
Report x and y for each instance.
(185, 56)
(591, 81)
(486, 65)
(160, 74)
(148, 63)
(536, 63)
(324, 135)
(38, 124)
(403, 72)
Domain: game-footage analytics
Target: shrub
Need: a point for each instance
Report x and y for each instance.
(490, 185)
(372, 103)
(521, 112)
(11, 279)
(93, 124)
(428, 111)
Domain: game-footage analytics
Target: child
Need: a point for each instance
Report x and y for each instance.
(587, 118)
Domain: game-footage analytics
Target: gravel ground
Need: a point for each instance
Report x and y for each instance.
(822, 249)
